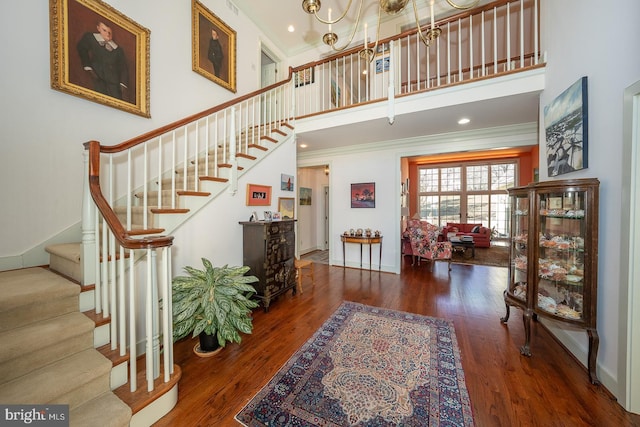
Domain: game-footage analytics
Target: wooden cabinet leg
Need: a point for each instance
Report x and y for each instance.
(594, 343)
(526, 318)
(505, 319)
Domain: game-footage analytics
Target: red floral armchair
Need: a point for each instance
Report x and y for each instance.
(424, 243)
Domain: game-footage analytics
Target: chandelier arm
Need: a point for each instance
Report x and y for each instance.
(315, 13)
(465, 7)
(355, 27)
(415, 12)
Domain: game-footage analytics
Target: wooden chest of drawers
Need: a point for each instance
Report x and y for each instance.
(269, 250)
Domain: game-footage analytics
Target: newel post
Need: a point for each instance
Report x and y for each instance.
(88, 246)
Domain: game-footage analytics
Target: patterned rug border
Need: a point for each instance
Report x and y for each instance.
(344, 311)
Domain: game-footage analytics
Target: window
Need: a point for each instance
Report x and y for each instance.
(475, 192)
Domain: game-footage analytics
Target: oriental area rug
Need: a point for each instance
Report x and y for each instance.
(368, 366)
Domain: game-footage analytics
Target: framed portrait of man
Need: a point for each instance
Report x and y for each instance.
(214, 47)
(99, 54)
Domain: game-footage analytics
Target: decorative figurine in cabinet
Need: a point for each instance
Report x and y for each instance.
(554, 257)
(268, 250)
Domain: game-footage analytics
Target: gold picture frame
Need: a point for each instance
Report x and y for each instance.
(99, 54)
(287, 207)
(213, 47)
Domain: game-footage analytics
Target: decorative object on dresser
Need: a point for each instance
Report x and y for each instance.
(554, 257)
(214, 303)
(268, 249)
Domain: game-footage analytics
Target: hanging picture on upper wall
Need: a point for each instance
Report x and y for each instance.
(363, 195)
(566, 130)
(214, 47)
(99, 54)
(305, 196)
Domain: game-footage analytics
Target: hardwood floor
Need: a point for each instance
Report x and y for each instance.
(505, 388)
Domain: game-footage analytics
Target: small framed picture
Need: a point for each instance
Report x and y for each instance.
(363, 195)
(268, 216)
(275, 216)
(286, 182)
(258, 195)
(286, 206)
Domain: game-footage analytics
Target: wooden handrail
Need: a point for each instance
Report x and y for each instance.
(123, 237)
(123, 146)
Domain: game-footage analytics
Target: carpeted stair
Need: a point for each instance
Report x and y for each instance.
(47, 353)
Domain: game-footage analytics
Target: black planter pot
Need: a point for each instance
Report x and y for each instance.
(208, 342)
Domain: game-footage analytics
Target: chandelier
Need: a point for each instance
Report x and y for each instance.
(390, 7)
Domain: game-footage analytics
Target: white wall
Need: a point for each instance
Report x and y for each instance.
(42, 130)
(215, 232)
(610, 61)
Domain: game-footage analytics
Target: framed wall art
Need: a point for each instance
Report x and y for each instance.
(363, 195)
(99, 54)
(566, 130)
(305, 196)
(287, 206)
(286, 182)
(258, 195)
(214, 47)
(304, 77)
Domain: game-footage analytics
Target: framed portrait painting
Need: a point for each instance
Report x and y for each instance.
(566, 130)
(214, 47)
(99, 54)
(258, 195)
(363, 195)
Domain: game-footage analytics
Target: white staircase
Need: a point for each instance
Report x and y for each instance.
(176, 207)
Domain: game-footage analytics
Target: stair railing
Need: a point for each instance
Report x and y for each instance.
(143, 177)
(499, 38)
(126, 252)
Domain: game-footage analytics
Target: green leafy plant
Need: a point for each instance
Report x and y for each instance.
(216, 300)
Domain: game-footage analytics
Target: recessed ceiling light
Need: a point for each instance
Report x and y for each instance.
(463, 121)
(303, 145)
(291, 28)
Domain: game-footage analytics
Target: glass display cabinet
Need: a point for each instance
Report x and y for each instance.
(554, 257)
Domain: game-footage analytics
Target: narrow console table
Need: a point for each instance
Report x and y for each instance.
(362, 240)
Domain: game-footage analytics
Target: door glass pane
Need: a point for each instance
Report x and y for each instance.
(478, 178)
(449, 209)
(500, 214)
(478, 209)
(429, 208)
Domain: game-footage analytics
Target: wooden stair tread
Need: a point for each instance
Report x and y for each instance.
(168, 211)
(113, 355)
(98, 319)
(141, 398)
(259, 147)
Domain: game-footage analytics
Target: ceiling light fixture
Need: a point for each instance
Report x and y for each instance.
(463, 121)
(291, 28)
(390, 7)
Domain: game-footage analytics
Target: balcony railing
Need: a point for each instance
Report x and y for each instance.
(499, 38)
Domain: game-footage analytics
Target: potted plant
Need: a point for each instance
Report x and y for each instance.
(214, 303)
